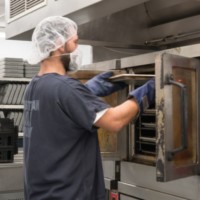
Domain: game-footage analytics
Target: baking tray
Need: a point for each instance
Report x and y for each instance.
(131, 77)
(148, 125)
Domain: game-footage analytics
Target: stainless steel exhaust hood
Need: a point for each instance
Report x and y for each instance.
(80, 11)
(119, 28)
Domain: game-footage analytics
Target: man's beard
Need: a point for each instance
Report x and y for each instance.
(65, 60)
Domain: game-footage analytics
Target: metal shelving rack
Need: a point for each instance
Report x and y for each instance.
(7, 107)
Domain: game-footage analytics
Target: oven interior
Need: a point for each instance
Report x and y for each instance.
(142, 132)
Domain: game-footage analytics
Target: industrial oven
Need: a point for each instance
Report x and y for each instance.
(157, 155)
(163, 144)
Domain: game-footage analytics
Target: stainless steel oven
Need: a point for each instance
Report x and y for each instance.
(166, 135)
(162, 145)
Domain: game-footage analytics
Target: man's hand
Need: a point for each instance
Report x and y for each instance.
(144, 95)
(101, 86)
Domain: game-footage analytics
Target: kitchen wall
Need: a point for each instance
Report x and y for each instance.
(21, 49)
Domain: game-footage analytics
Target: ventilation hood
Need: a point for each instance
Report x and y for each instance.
(120, 27)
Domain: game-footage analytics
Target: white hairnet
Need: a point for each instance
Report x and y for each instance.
(49, 35)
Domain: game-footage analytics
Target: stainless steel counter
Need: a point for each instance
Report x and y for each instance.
(11, 181)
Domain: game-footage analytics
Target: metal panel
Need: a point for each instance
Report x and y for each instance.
(177, 116)
(29, 21)
(104, 65)
(149, 58)
(111, 169)
(11, 184)
(107, 7)
(139, 180)
(79, 10)
(110, 184)
(18, 9)
(123, 197)
(143, 193)
(16, 195)
(32, 3)
(11, 177)
(186, 28)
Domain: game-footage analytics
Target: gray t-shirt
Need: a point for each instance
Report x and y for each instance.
(61, 150)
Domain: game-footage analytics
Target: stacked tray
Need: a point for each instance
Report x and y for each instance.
(2, 114)
(30, 70)
(11, 67)
(12, 93)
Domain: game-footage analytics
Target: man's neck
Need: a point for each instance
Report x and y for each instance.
(51, 66)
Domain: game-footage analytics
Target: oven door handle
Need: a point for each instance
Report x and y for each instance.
(184, 117)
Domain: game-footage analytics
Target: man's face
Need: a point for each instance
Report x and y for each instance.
(71, 44)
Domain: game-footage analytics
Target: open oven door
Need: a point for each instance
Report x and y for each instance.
(177, 116)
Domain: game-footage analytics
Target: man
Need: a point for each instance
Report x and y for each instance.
(61, 152)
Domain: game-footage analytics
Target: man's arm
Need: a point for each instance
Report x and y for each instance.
(139, 100)
(115, 118)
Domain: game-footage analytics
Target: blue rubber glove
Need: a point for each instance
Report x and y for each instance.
(144, 95)
(101, 86)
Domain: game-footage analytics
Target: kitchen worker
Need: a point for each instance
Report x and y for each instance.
(62, 159)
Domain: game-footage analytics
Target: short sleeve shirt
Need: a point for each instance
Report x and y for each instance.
(61, 150)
